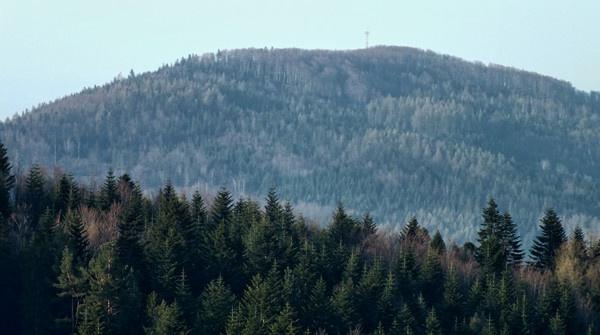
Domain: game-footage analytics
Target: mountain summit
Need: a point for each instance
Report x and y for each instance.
(398, 130)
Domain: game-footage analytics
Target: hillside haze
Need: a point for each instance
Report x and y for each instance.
(398, 131)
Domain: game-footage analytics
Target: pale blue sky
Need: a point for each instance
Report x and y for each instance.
(52, 48)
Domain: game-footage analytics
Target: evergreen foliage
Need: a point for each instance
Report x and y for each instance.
(547, 244)
(242, 269)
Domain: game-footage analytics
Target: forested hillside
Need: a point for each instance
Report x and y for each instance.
(396, 131)
(75, 259)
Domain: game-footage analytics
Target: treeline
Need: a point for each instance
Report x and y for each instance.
(394, 131)
(75, 260)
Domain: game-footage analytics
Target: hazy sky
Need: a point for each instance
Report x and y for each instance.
(52, 48)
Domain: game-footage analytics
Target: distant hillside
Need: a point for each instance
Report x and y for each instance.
(398, 130)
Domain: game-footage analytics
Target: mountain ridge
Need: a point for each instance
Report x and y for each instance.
(377, 119)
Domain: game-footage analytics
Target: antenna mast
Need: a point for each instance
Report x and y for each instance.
(366, 39)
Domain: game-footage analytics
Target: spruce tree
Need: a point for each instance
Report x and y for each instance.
(406, 271)
(432, 323)
(199, 213)
(166, 264)
(546, 245)
(432, 278)
(368, 226)
(386, 305)
(8, 264)
(35, 196)
(100, 307)
(491, 253)
(221, 208)
(578, 240)
(131, 228)
(38, 260)
(185, 300)
(319, 307)
(343, 302)
(368, 290)
(164, 318)
(71, 287)
(7, 182)
(437, 243)
(557, 325)
(405, 322)
(453, 298)
(257, 306)
(343, 230)
(109, 192)
(216, 304)
(67, 197)
(273, 209)
(235, 322)
(260, 247)
(506, 300)
(511, 240)
(284, 323)
(411, 230)
(77, 238)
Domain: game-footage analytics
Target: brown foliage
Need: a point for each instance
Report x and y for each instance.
(101, 227)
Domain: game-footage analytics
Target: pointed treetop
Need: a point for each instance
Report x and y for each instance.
(221, 207)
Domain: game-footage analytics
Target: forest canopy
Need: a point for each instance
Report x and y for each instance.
(78, 259)
(399, 132)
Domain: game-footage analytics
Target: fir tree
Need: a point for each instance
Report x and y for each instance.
(546, 245)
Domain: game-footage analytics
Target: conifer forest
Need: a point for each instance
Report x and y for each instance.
(114, 259)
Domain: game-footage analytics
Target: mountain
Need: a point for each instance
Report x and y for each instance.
(397, 130)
